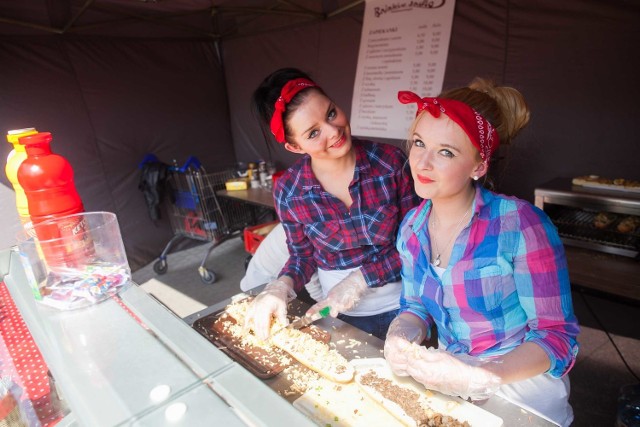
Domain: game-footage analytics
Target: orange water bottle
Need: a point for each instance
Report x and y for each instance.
(47, 180)
(14, 160)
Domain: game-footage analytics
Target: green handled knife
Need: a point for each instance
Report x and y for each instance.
(306, 320)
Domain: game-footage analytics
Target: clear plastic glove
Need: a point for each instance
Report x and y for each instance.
(444, 372)
(272, 301)
(314, 288)
(403, 331)
(343, 296)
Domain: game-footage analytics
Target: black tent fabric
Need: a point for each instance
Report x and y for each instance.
(114, 80)
(108, 103)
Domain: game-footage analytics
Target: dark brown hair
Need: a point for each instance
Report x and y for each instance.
(265, 96)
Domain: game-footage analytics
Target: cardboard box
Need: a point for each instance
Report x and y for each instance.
(236, 184)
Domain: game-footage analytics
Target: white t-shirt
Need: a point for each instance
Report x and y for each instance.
(374, 301)
(267, 262)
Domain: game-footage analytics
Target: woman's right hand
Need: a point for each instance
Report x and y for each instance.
(272, 301)
(403, 331)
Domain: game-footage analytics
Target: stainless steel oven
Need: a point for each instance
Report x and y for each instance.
(593, 218)
(599, 255)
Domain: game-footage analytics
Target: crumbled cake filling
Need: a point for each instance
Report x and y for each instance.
(409, 401)
(319, 355)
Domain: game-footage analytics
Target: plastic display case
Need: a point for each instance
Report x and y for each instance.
(130, 361)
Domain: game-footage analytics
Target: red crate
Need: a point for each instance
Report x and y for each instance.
(253, 236)
(275, 177)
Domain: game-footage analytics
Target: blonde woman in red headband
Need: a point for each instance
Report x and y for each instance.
(487, 270)
(340, 205)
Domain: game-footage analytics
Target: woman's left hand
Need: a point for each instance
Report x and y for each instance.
(343, 296)
(442, 371)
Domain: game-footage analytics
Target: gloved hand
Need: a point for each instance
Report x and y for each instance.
(314, 288)
(403, 331)
(343, 296)
(442, 371)
(272, 301)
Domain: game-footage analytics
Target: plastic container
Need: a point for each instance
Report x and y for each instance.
(628, 406)
(253, 236)
(262, 173)
(65, 274)
(14, 160)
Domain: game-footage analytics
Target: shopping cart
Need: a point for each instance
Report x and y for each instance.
(195, 212)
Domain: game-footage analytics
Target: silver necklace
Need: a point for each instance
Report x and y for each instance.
(437, 261)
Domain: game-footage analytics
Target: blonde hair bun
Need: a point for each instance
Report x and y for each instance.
(513, 109)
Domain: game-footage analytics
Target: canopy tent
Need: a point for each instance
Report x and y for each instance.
(213, 19)
(114, 80)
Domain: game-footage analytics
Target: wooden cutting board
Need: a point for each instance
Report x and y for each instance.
(262, 362)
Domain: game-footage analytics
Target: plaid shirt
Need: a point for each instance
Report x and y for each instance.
(323, 233)
(507, 282)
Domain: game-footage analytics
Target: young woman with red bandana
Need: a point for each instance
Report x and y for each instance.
(488, 270)
(340, 205)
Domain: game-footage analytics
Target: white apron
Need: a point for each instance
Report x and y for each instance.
(543, 395)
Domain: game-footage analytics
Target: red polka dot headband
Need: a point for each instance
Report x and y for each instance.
(481, 133)
(287, 93)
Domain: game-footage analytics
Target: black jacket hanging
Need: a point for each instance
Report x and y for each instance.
(153, 178)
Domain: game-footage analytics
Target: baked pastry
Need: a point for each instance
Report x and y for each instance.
(314, 354)
(404, 403)
(629, 224)
(603, 219)
(633, 185)
(598, 181)
(592, 180)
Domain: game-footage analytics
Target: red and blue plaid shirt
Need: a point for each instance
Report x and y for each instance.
(323, 233)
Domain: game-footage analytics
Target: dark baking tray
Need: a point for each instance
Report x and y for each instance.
(262, 363)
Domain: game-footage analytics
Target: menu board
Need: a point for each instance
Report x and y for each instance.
(404, 46)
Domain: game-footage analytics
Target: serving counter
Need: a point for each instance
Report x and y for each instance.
(343, 337)
(129, 361)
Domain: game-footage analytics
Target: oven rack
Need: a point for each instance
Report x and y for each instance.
(576, 226)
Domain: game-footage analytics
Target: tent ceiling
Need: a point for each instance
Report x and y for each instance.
(215, 19)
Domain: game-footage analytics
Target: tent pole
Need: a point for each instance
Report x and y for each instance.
(77, 15)
(30, 25)
(344, 8)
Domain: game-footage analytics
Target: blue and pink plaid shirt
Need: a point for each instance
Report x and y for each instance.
(507, 282)
(323, 233)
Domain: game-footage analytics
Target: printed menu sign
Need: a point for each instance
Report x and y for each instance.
(404, 46)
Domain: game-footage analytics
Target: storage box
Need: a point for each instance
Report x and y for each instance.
(253, 236)
(236, 184)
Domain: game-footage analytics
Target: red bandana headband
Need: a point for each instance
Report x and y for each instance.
(287, 93)
(481, 133)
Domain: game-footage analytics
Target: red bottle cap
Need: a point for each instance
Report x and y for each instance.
(39, 143)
